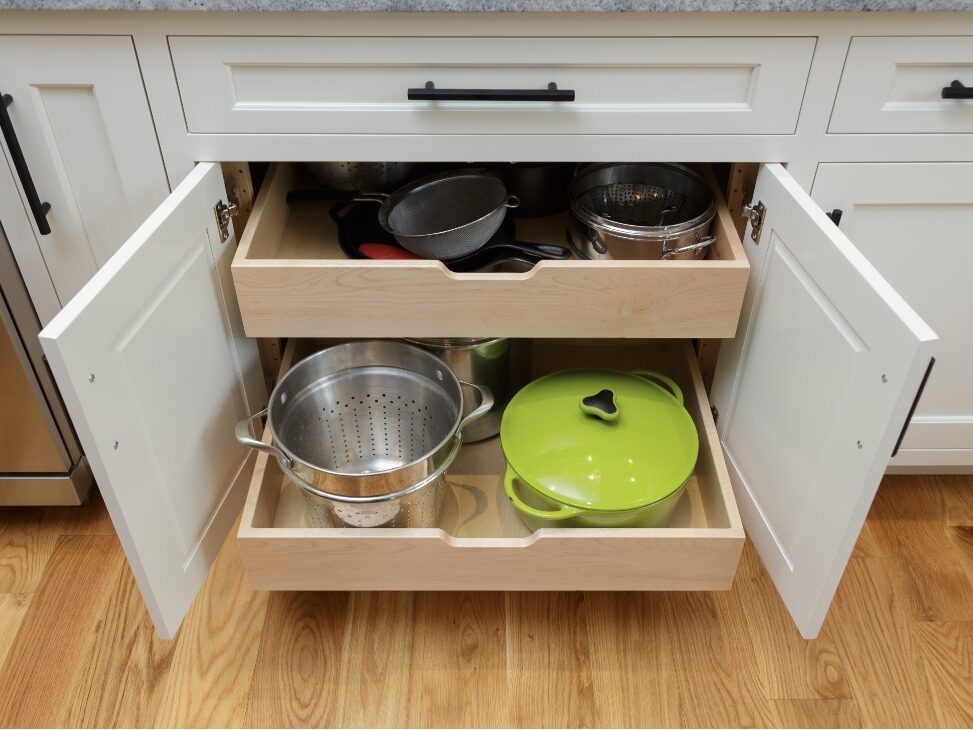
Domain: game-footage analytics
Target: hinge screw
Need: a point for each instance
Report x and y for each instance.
(885, 378)
(859, 444)
(115, 446)
(91, 378)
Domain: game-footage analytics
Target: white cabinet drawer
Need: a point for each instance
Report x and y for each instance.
(895, 85)
(622, 86)
(481, 543)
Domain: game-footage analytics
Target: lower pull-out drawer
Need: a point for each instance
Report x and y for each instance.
(292, 280)
(481, 543)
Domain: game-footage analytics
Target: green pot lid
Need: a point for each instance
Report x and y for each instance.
(603, 440)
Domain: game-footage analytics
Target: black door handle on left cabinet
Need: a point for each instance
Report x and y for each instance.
(38, 208)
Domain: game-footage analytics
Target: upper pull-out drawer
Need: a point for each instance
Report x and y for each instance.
(896, 85)
(621, 85)
(293, 280)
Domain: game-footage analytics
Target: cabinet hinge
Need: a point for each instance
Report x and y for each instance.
(224, 211)
(716, 412)
(755, 214)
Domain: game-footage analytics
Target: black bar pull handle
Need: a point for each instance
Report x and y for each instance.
(957, 90)
(915, 403)
(38, 208)
(430, 93)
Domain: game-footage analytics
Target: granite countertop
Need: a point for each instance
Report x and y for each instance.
(659, 6)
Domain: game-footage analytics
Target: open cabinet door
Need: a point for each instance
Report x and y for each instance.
(812, 394)
(152, 363)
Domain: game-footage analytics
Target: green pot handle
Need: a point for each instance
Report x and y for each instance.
(664, 379)
(563, 513)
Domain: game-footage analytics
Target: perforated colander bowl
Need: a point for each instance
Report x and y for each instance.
(367, 422)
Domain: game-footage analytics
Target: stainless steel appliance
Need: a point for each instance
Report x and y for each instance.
(40, 459)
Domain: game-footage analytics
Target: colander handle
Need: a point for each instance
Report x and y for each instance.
(244, 435)
(486, 403)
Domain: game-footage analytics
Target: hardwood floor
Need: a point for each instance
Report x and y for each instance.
(77, 648)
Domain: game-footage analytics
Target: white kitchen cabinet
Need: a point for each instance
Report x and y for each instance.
(913, 222)
(78, 109)
(154, 370)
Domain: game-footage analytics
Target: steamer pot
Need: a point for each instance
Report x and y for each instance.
(363, 426)
(647, 211)
(497, 363)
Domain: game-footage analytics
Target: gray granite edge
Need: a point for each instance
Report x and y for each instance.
(497, 6)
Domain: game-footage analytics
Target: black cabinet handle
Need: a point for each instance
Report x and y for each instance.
(38, 208)
(915, 403)
(430, 93)
(957, 90)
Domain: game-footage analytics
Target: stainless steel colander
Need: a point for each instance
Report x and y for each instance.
(362, 426)
(445, 216)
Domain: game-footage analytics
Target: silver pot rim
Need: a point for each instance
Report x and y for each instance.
(451, 343)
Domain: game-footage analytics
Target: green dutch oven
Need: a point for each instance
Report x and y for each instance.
(598, 448)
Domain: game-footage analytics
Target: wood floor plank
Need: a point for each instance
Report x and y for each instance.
(871, 622)
(376, 661)
(549, 662)
(819, 713)
(295, 679)
(460, 644)
(122, 682)
(27, 540)
(910, 519)
(208, 681)
(715, 663)
(961, 539)
(87, 519)
(633, 670)
(947, 654)
(63, 621)
(13, 607)
(789, 666)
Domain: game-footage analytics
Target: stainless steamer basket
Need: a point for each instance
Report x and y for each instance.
(641, 211)
(366, 421)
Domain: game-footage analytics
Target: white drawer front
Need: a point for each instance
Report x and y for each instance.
(895, 85)
(623, 86)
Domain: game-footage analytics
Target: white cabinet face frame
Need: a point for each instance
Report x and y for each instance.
(812, 394)
(173, 391)
(910, 220)
(82, 119)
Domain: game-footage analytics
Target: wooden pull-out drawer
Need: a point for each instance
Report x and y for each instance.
(895, 85)
(292, 280)
(622, 85)
(481, 543)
